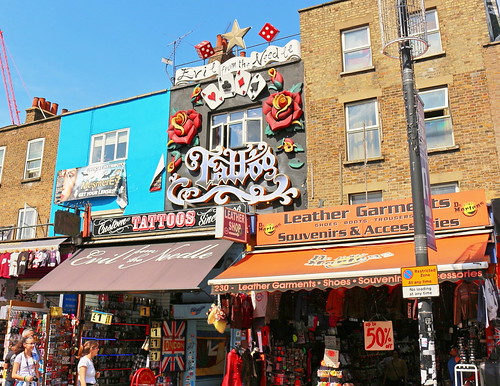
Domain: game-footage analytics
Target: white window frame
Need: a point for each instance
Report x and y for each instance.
(104, 136)
(223, 127)
(30, 173)
(355, 49)
(26, 233)
(373, 196)
(452, 187)
(445, 116)
(3, 149)
(433, 31)
(354, 130)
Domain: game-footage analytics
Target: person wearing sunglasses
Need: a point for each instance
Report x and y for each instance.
(25, 368)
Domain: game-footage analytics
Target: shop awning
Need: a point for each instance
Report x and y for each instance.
(363, 265)
(135, 268)
(12, 246)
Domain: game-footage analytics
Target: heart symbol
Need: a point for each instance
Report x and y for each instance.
(211, 96)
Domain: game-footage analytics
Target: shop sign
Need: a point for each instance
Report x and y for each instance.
(103, 180)
(347, 282)
(101, 317)
(69, 304)
(159, 222)
(66, 223)
(272, 54)
(231, 225)
(450, 211)
(190, 311)
(378, 335)
(225, 174)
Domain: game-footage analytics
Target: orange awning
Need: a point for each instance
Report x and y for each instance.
(363, 265)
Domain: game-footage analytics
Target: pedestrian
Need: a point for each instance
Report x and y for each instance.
(86, 371)
(15, 347)
(25, 368)
(395, 371)
(452, 362)
(29, 332)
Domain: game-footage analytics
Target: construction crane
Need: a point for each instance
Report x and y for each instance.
(7, 81)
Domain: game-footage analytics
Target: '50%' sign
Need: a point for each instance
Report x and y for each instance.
(378, 335)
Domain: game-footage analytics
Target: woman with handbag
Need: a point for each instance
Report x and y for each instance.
(86, 370)
(25, 367)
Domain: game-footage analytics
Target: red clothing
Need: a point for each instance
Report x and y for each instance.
(5, 265)
(234, 363)
(465, 302)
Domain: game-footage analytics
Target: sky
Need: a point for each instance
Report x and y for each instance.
(81, 54)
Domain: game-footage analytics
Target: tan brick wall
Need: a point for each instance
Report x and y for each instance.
(467, 68)
(14, 190)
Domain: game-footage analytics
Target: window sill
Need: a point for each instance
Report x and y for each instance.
(362, 161)
(27, 180)
(489, 44)
(363, 70)
(430, 57)
(443, 149)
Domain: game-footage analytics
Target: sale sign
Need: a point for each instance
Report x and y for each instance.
(378, 335)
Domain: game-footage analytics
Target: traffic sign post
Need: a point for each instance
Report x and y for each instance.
(420, 282)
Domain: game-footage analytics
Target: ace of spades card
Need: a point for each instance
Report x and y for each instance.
(226, 85)
(242, 82)
(213, 96)
(257, 84)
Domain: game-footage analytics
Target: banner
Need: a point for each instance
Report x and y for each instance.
(102, 180)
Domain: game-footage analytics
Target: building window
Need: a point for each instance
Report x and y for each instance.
(364, 198)
(110, 146)
(438, 128)
(493, 18)
(34, 156)
(433, 34)
(2, 157)
(363, 132)
(26, 222)
(357, 53)
(236, 129)
(449, 187)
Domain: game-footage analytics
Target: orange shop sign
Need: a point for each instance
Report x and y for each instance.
(450, 211)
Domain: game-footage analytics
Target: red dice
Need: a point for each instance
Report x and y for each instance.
(269, 32)
(204, 49)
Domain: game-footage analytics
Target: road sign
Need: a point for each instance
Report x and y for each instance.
(420, 281)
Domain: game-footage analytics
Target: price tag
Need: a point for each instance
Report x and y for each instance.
(155, 343)
(379, 336)
(101, 317)
(156, 332)
(154, 356)
(145, 311)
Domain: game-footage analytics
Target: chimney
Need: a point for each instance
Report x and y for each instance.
(220, 51)
(40, 109)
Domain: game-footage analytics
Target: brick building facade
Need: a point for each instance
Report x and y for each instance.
(346, 73)
(28, 154)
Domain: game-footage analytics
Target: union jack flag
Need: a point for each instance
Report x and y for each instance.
(174, 346)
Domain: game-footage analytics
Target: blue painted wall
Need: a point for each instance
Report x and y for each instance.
(146, 117)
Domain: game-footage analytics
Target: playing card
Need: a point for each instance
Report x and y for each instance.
(226, 85)
(257, 84)
(241, 82)
(213, 96)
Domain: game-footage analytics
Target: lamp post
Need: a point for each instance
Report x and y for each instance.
(404, 36)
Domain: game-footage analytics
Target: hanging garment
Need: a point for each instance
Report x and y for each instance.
(232, 376)
(465, 302)
(259, 303)
(492, 301)
(355, 303)
(273, 306)
(13, 264)
(4, 264)
(22, 262)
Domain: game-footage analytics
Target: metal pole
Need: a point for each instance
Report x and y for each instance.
(425, 316)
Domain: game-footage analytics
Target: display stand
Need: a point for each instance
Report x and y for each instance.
(461, 369)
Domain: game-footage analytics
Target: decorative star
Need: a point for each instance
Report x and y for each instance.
(235, 37)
